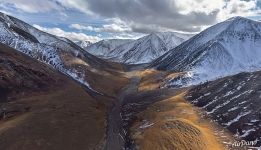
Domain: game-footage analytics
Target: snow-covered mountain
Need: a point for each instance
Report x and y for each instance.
(83, 44)
(104, 47)
(60, 53)
(147, 48)
(224, 49)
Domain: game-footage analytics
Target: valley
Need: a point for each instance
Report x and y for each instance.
(66, 115)
(163, 91)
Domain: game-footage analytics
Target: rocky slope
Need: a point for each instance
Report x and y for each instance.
(234, 102)
(19, 74)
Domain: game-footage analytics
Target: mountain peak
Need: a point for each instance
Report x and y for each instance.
(224, 49)
(147, 48)
(244, 25)
(238, 18)
(241, 20)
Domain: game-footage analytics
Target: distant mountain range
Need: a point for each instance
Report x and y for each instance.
(103, 48)
(143, 50)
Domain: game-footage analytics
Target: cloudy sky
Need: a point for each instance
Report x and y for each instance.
(93, 20)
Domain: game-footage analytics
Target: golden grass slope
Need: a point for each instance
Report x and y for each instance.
(152, 79)
(173, 124)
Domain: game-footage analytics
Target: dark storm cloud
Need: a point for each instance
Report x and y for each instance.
(143, 16)
(148, 15)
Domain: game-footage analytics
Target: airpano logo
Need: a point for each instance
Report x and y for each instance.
(243, 143)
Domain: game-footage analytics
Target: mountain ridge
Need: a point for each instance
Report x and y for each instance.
(223, 49)
(104, 47)
(58, 52)
(147, 48)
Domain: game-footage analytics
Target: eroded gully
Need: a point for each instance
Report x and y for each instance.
(116, 134)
